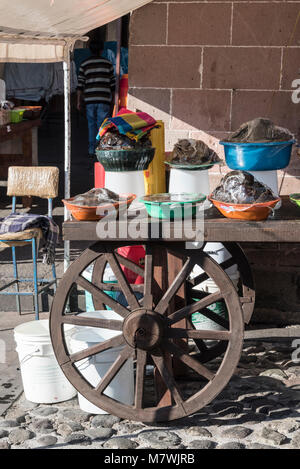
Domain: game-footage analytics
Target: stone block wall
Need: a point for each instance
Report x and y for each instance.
(204, 68)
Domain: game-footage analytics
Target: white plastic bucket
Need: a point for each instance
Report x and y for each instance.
(94, 368)
(193, 181)
(125, 182)
(270, 179)
(183, 180)
(43, 380)
(108, 276)
(220, 254)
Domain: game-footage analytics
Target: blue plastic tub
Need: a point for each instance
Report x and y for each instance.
(258, 156)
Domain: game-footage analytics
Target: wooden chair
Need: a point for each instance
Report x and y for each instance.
(28, 181)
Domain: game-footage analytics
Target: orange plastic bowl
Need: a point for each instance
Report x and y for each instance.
(250, 212)
(87, 213)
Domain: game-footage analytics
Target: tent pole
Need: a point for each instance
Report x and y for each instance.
(118, 62)
(67, 161)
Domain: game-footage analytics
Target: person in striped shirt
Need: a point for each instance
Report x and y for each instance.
(96, 87)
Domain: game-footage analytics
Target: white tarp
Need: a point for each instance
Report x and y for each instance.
(39, 30)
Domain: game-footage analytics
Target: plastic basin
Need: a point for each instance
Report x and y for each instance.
(87, 213)
(173, 210)
(250, 212)
(258, 156)
(295, 198)
(16, 115)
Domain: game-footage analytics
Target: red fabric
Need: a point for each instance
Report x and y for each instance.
(137, 255)
(99, 176)
(124, 110)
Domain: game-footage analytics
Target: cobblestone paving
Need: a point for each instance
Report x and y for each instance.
(259, 409)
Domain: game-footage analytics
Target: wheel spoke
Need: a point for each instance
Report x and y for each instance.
(215, 318)
(198, 294)
(113, 370)
(116, 288)
(204, 276)
(97, 276)
(189, 361)
(130, 265)
(148, 297)
(174, 287)
(180, 333)
(194, 307)
(210, 353)
(201, 345)
(141, 362)
(168, 378)
(198, 279)
(122, 280)
(77, 320)
(101, 347)
(106, 299)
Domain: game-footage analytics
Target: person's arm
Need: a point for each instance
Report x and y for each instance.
(80, 88)
(79, 99)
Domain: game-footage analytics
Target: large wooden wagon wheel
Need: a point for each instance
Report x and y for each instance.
(246, 292)
(149, 333)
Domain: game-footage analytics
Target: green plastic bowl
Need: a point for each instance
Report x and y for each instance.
(184, 207)
(295, 198)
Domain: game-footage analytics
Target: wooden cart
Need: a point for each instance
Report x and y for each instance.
(156, 330)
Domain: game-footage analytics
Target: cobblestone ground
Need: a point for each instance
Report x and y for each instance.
(259, 409)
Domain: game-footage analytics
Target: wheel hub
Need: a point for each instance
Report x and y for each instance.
(143, 329)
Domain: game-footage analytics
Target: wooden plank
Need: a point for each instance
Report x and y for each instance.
(178, 301)
(160, 285)
(9, 131)
(273, 333)
(283, 227)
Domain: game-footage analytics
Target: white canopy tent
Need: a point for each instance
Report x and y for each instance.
(46, 31)
(40, 30)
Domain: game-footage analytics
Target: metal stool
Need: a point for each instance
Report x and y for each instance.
(29, 181)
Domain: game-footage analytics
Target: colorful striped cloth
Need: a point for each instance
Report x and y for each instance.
(132, 124)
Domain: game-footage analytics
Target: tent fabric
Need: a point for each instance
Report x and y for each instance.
(43, 30)
(36, 81)
(36, 52)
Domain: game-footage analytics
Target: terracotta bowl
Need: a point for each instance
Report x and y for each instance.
(87, 213)
(250, 212)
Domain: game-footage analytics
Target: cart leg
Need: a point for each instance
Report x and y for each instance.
(160, 277)
(175, 265)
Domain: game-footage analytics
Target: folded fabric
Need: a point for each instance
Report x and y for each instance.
(16, 222)
(132, 124)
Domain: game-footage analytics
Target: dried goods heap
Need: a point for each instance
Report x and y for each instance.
(240, 187)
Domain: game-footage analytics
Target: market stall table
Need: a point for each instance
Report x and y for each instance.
(26, 131)
(156, 328)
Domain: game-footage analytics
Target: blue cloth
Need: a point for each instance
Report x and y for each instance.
(16, 222)
(35, 81)
(95, 113)
(110, 53)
